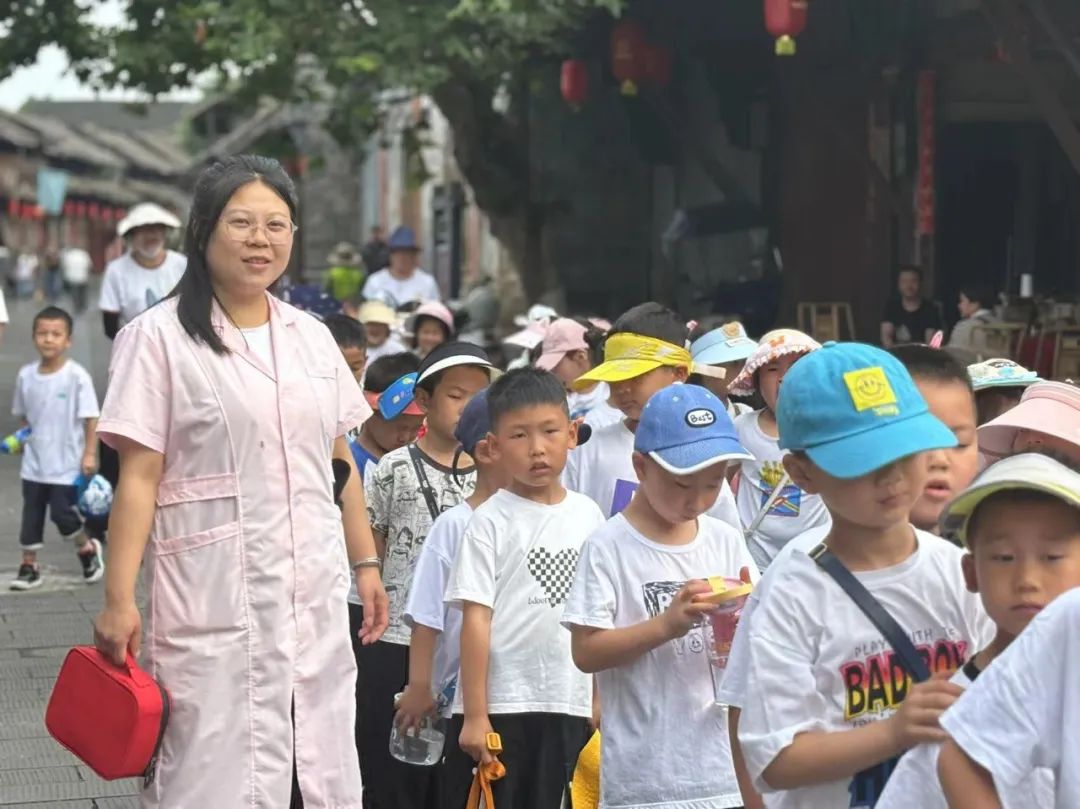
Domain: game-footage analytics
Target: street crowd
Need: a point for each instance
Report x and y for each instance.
(647, 563)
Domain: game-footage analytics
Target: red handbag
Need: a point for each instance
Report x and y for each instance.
(111, 717)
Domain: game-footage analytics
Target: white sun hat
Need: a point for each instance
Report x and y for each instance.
(143, 214)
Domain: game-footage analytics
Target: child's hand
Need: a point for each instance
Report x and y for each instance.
(916, 722)
(473, 739)
(683, 614)
(89, 464)
(416, 702)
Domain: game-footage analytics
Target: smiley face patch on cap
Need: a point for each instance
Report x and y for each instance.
(870, 390)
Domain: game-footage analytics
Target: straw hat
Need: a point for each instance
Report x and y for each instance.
(344, 254)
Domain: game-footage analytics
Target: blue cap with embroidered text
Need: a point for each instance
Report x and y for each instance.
(686, 428)
(853, 409)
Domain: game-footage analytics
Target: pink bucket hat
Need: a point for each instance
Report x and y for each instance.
(435, 310)
(562, 336)
(1052, 408)
(773, 345)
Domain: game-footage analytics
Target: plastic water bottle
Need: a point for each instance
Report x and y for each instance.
(423, 747)
(13, 444)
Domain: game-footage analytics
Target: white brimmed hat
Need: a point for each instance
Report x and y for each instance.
(144, 214)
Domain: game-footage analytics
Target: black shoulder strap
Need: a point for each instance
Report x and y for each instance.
(425, 486)
(909, 656)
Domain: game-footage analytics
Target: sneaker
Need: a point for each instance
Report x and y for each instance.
(29, 577)
(93, 563)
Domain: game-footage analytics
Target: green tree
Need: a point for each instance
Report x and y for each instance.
(473, 57)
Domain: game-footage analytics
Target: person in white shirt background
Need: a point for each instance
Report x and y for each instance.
(75, 267)
(146, 272)
(568, 350)
(403, 282)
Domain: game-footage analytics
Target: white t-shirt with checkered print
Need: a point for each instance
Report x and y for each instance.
(519, 557)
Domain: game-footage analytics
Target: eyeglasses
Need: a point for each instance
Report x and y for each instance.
(243, 228)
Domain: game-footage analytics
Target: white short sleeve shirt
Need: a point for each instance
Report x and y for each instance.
(130, 289)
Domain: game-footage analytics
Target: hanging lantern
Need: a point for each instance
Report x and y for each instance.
(574, 82)
(658, 65)
(92, 211)
(628, 48)
(69, 209)
(785, 20)
(80, 210)
(13, 208)
(106, 214)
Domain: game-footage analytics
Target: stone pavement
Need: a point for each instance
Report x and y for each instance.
(38, 627)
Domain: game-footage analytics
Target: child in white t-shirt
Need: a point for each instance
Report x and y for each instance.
(567, 350)
(792, 511)
(634, 620)
(729, 347)
(55, 398)
(643, 353)
(1021, 524)
(1021, 715)
(511, 576)
(828, 705)
(435, 645)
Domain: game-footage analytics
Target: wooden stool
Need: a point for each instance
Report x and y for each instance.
(998, 340)
(823, 321)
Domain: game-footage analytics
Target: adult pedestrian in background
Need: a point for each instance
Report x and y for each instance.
(376, 253)
(909, 317)
(146, 272)
(76, 264)
(345, 277)
(232, 408)
(402, 282)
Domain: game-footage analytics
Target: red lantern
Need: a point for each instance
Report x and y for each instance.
(92, 211)
(628, 48)
(658, 65)
(106, 214)
(69, 209)
(574, 82)
(785, 20)
(13, 208)
(80, 210)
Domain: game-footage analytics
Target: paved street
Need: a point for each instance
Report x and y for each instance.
(37, 628)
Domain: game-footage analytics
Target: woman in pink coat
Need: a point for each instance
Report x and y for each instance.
(227, 407)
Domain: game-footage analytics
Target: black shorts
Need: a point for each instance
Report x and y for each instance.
(59, 501)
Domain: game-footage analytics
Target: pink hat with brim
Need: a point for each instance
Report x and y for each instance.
(1051, 408)
(771, 347)
(562, 336)
(436, 310)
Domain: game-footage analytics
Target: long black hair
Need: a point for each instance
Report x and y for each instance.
(214, 188)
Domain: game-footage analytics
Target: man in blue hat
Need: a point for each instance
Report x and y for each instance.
(403, 282)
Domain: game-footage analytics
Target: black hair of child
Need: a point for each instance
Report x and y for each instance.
(1009, 497)
(932, 364)
(55, 313)
(525, 387)
(447, 333)
(348, 332)
(388, 369)
(980, 294)
(431, 382)
(655, 320)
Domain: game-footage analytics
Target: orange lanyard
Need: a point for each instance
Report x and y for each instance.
(485, 774)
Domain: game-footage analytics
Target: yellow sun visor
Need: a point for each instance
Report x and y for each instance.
(627, 356)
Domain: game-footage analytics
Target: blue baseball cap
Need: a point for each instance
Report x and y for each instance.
(402, 238)
(729, 343)
(475, 422)
(686, 428)
(853, 408)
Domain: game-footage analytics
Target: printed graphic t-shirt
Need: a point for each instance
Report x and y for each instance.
(915, 782)
(794, 511)
(818, 664)
(653, 705)
(518, 557)
(398, 510)
(1024, 711)
(131, 289)
(426, 605)
(56, 405)
(603, 471)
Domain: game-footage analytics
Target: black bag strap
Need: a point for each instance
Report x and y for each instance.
(909, 656)
(425, 485)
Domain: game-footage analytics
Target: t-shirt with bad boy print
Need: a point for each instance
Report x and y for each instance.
(518, 557)
(817, 664)
(399, 511)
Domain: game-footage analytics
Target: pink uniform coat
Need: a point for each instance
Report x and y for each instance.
(246, 565)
